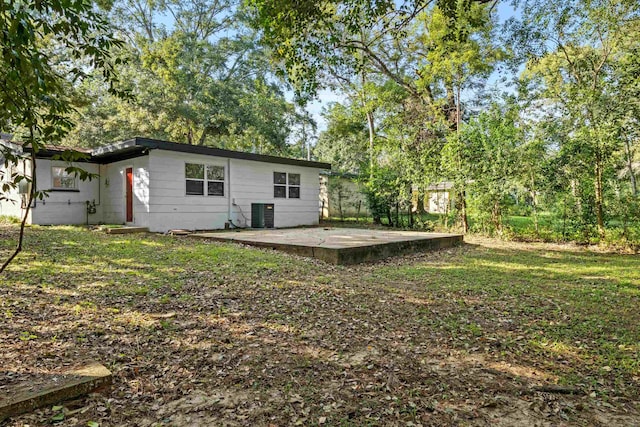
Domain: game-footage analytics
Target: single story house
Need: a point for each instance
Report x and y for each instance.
(165, 185)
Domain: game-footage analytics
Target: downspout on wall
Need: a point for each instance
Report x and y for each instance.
(229, 193)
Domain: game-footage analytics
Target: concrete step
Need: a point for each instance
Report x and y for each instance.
(53, 388)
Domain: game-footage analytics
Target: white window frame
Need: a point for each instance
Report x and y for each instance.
(205, 181)
(65, 175)
(186, 179)
(279, 184)
(287, 185)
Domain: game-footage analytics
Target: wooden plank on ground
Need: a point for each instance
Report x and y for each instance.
(180, 232)
(55, 388)
(127, 230)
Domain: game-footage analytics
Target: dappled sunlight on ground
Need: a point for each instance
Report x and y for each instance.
(220, 334)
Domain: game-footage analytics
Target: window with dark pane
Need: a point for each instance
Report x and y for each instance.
(280, 191)
(294, 185)
(286, 185)
(280, 185)
(294, 179)
(215, 180)
(194, 171)
(194, 174)
(215, 188)
(195, 188)
(280, 178)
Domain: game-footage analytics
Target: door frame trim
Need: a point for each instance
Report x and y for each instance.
(124, 193)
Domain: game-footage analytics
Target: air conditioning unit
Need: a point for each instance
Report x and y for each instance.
(262, 215)
(24, 187)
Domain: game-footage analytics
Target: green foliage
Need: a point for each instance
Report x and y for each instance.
(34, 84)
(380, 194)
(577, 77)
(563, 149)
(47, 48)
(308, 38)
(204, 81)
(343, 143)
(491, 157)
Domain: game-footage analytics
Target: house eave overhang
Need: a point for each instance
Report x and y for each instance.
(124, 150)
(141, 144)
(138, 147)
(45, 152)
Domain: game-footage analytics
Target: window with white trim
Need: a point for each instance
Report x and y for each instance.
(294, 185)
(286, 185)
(204, 179)
(215, 180)
(61, 179)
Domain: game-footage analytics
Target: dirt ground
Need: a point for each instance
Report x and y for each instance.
(203, 333)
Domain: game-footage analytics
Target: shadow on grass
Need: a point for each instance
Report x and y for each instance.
(171, 315)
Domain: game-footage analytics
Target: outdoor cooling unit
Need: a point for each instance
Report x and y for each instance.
(24, 187)
(262, 215)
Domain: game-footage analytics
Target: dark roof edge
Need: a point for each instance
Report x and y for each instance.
(46, 151)
(348, 175)
(198, 149)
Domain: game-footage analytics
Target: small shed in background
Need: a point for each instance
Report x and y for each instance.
(438, 197)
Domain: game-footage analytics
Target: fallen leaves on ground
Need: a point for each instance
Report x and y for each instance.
(204, 333)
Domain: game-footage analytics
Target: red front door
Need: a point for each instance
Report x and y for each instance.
(129, 173)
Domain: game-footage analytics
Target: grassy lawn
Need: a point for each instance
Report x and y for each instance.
(204, 333)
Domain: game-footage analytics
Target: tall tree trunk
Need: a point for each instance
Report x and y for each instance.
(363, 100)
(203, 136)
(190, 136)
(534, 204)
(496, 217)
(629, 164)
(576, 194)
(307, 143)
(372, 136)
(463, 198)
(463, 212)
(599, 197)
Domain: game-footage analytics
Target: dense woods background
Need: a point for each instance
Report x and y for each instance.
(533, 118)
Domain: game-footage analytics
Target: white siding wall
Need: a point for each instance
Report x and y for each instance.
(112, 182)
(246, 182)
(64, 207)
(159, 194)
(10, 207)
(170, 206)
(252, 182)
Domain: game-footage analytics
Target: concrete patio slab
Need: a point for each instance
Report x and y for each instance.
(339, 245)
